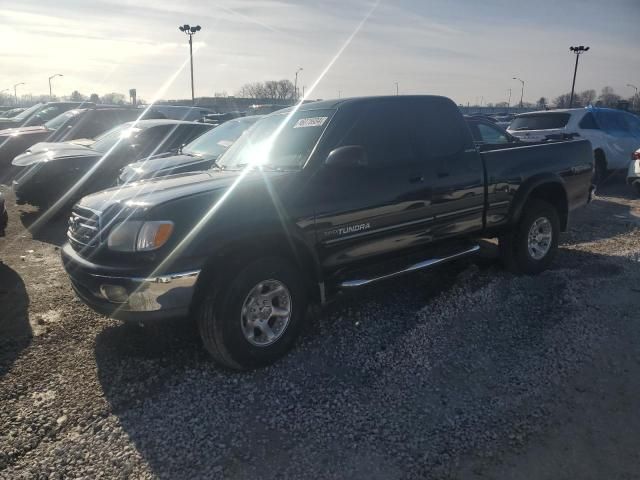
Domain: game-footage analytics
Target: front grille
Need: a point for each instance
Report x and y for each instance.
(84, 228)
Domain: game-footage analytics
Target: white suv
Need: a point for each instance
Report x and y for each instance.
(614, 134)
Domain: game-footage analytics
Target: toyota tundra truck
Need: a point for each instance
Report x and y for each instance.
(315, 200)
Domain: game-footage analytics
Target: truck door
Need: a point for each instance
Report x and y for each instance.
(454, 171)
(380, 207)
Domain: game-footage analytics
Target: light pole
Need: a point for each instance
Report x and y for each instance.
(53, 76)
(635, 97)
(397, 89)
(295, 84)
(521, 91)
(191, 31)
(15, 91)
(509, 101)
(578, 51)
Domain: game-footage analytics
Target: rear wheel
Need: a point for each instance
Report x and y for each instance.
(256, 318)
(532, 245)
(636, 187)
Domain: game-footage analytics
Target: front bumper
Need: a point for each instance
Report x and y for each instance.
(129, 297)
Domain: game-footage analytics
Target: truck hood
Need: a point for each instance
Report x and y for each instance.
(47, 152)
(21, 131)
(155, 165)
(149, 193)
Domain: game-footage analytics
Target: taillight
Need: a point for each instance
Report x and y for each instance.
(636, 155)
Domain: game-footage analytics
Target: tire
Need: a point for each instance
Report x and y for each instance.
(600, 172)
(515, 251)
(636, 187)
(223, 326)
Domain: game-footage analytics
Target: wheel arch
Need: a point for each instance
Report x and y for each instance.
(549, 188)
(240, 250)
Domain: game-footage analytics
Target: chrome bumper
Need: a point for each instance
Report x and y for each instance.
(166, 292)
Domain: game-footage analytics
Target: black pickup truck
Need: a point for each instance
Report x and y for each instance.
(313, 201)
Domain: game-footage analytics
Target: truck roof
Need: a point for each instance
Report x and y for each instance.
(340, 102)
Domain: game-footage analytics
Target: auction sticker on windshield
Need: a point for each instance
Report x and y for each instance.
(310, 122)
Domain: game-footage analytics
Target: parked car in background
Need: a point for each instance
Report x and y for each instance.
(614, 134)
(200, 154)
(328, 198)
(69, 170)
(49, 111)
(220, 118)
(633, 173)
(12, 112)
(264, 109)
(179, 112)
(485, 132)
(70, 125)
(20, 118)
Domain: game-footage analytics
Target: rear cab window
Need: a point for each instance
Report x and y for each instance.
(540, 121)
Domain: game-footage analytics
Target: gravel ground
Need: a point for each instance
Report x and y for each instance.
(462, 372)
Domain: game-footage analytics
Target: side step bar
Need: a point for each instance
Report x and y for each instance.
(411, 268)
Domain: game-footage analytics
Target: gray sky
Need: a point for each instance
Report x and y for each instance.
(464, 49)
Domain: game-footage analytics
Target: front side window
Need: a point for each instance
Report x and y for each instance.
(491, 135)
(540, 121)
(387, 133)
(612, 123)
(280, 141)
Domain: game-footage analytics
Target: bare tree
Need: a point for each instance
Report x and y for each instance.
(587, 97)
(113, 98)
(608, 98)
(76, 96)
(541, 103)
(277, 90)
(94, 98)
(562, 101)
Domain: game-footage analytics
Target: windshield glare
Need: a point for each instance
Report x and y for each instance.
(215, 142)
(107, 140)
(278, 141)
(61, 119)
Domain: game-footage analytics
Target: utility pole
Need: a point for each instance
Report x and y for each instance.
(339, 93)
(15, 91)
(53, 76)
(397, 90)
(521, 91)
(303, 88)
(295, 85)
(509, 101)
(578, 51)
(191, 31)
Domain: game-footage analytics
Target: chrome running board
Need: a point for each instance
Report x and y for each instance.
(411, 268)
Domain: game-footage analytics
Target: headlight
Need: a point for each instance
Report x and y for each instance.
(138, 236)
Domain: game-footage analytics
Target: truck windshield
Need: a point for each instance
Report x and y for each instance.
(280, 141)
(215, 142)
(540, 121)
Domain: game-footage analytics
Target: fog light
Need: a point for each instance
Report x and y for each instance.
(114, 293)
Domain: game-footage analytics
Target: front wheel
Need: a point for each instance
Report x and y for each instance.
(532, 245)
(257, 317)
(636, 187)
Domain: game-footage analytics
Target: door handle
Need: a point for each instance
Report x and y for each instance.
(416, 179)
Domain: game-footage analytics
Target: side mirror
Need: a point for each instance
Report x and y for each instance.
(347, 156)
